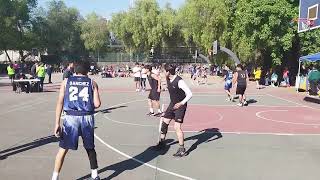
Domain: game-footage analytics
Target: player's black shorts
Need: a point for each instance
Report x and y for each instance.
(136, 79)
(241, 90)
(154, 95)
(176, 114)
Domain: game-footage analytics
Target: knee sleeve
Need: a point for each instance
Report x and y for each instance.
(164, 128)
(92, 158)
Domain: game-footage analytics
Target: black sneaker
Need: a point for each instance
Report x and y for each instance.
(180, 153)
(160, 146)
(150, 114)
(158, 114)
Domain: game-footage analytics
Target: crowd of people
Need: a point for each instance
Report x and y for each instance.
(30, 70)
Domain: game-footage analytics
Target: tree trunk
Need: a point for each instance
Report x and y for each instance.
(8, 55)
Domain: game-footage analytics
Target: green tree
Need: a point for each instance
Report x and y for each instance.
(94, 33)
(140, 28)
(63, 30)
(15, 24)
(203, 21)
(262, 31)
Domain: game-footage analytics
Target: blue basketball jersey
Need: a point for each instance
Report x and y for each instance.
(229, 76)
(78, 98)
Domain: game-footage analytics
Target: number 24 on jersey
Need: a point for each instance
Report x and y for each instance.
(74, 94)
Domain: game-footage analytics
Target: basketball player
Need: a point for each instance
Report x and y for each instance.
(228, 82)
(154, 96)
(241, 79)
(180, 94)
(78, 98)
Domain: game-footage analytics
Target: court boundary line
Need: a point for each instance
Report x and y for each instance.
(141, 162)
(299, 104)
(258, 114)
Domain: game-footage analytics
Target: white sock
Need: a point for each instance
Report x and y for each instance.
(94, 173)
(151, 110)
(159, 111)
(55, 176)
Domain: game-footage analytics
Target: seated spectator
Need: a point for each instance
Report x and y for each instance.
(274, 79)
(25, 86)
(314, 81)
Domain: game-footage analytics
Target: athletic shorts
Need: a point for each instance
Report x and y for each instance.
(176, 114)
(227, 86)
(136, 79)
(75, 126)
(154, 95)
(241, 90)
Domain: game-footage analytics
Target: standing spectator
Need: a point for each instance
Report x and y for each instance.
(257, 77)
(16, 67)
(34, 69)
(68, 72)
(41, 74)
(49, 70)
(137, 76)
(286, 76)
(11, 72)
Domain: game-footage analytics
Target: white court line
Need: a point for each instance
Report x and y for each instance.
(147, 125)
(141, 162)
(258, 114)
(299, 104)
(252, 133)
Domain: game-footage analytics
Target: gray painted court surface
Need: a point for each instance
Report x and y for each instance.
(124, 135)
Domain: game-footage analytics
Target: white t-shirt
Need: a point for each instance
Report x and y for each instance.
(143, 73)
(136, 71)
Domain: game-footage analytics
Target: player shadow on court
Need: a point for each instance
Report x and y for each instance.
(28, 146)
(314, 99)
(127, 165)
(108, 110)
(205, 136)
(251, 101)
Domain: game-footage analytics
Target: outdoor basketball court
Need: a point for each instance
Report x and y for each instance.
(276, 137)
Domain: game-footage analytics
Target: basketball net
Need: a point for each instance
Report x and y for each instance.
(305, 23)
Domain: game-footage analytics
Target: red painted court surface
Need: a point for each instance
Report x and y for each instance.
(266, 140)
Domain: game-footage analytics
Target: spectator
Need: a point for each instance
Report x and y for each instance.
(41, 73)
(68, 72)
(286, 77)
(314, 80)
(34, 69)
(16, 67)
(25, 86)
(274, 79)
(11, 72)
(257, 76)
(49, 70)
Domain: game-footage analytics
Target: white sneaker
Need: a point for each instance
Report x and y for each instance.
(240, 105)
(245, 103)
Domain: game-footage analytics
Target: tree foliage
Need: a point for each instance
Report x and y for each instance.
(258, 31)
(94, 32)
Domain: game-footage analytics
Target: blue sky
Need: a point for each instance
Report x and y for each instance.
(105, 8)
